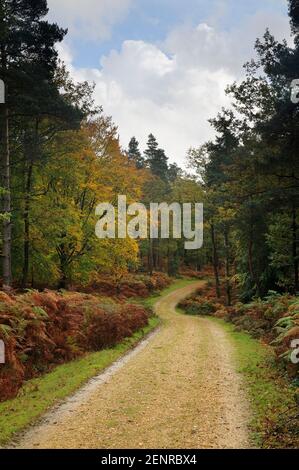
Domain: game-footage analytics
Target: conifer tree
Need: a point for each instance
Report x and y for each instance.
(156, 159)
(28, 60)
(134, 153)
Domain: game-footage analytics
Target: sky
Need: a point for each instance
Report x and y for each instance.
(162, 66)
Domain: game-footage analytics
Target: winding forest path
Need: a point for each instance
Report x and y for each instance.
(181, 390)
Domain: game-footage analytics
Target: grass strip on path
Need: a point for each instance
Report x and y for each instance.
(269, 393)
(38, 395)
(179, 284)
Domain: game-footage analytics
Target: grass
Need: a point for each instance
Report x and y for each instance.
(269, 393)
(40, 394)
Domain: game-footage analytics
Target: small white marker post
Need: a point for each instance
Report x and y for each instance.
(2, 92)
(2, 352)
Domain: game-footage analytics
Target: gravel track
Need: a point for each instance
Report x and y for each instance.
(180, 389)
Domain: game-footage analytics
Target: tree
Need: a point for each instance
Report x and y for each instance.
(156, 159)
(294, 15)
(274, 127)
(159, 164)
(28, 60)
(63, 240)
(61, 111)
(134, 153)
(152, 147)
(174, 172)
(213, 163)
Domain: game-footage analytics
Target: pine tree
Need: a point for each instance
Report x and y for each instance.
(152, 146)
(294, 15)
(159, 164)
(156, 159)
(174, 171)
(28, 60)
(134, 153)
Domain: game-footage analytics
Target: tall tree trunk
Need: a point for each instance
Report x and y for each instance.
(227, 267)
(250, 260)
(31, 155)
(295, 251)
(6, 252)
(150, 257)
(253, 274)
(27, 225)
(63, 282)
(6, 209)
(154, 245)
(198, 262)
(159, 265)
(215, 262)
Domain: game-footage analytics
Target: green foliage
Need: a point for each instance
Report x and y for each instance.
(134, 153)
(250, 171)
(198, 305)
(275, 420)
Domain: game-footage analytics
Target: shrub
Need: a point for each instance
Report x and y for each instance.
(41, 330)
(139, 285)
(198, 306)
(275, 319)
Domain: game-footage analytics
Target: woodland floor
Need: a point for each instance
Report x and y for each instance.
(180, 390)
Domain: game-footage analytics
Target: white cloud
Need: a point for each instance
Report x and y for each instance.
(173, 88)
(147, 91)
(210, 49)
(88, 19)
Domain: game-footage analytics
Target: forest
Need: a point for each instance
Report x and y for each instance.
(247, 177)
(64, 291)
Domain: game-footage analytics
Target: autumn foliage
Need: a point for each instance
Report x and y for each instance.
(41, 330)
(138, 285)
